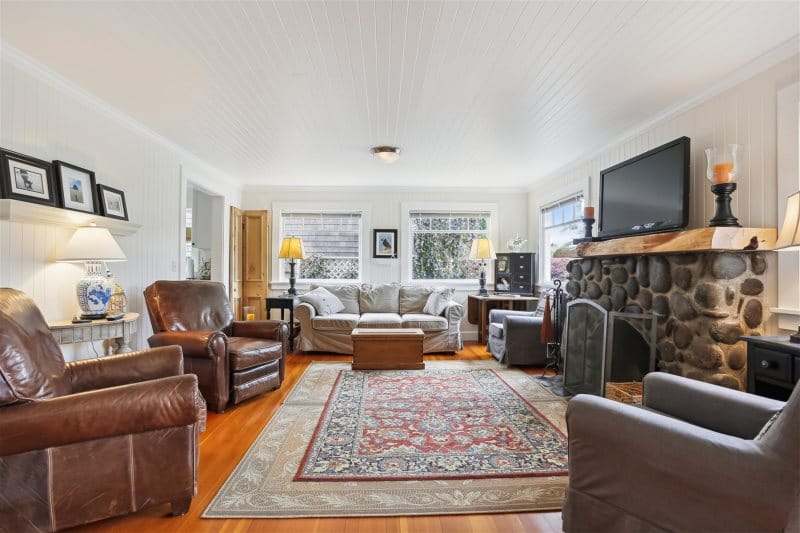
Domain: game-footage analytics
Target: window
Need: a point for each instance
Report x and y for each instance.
(332, 243)
(441, 241)
(560, 222)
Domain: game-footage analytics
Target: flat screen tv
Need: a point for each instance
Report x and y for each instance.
(646, 194)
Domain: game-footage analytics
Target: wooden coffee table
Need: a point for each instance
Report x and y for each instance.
(387, 349)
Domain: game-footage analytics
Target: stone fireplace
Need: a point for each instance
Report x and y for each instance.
(704, 301)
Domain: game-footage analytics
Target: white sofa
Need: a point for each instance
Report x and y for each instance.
(378, 306)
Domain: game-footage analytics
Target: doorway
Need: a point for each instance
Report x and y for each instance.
(203, 253)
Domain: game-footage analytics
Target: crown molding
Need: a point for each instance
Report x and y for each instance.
(39, 71)
(762, 63)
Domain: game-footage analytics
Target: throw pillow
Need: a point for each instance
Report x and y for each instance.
(347, 294)
(323, 301)
(438, 301)
(768, 425)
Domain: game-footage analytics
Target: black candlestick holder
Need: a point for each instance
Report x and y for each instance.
(724, 215)
(587, 232)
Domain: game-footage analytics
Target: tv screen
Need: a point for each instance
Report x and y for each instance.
(646, 194)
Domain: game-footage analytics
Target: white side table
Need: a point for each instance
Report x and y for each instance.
(65, 332)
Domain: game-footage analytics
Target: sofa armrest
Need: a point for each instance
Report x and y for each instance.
(277, 330)
(636, 460)
(305, 312)
(195, 343)
(496, 316)
(121, 369)
(136, 408)
(710, 406)
(454, 311)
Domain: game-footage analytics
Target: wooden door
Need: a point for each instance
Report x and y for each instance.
(235, 271)
(255, 261)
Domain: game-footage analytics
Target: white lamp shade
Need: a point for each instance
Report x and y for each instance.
(91, 243)
(482, 248)
(789, 237)
(292, 248)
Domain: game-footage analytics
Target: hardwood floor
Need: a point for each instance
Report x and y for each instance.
(229, 435)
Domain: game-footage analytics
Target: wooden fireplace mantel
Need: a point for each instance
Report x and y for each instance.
(692, 240)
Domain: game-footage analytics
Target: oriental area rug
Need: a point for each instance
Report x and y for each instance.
(460, 437)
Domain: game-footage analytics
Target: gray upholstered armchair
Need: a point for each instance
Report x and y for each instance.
(514, 337)
(690, 461)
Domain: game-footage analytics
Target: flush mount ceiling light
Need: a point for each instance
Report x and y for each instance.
(387, 154)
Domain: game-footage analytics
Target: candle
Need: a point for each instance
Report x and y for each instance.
(588, 212)
(251, 316)
(722, 173)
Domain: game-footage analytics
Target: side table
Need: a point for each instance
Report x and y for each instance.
(285, 302)
(65, 332)
(478, 308)
(773, 366)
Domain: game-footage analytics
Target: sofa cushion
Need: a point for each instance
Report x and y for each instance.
(324, 302)
(424, 322)
(380, 320)
(246, 352)
(347, 294)
(496, 330)
(384, 298)
(438, 300)
(338, 322)
(413, 298)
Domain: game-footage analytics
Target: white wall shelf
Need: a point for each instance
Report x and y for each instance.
(18, 211)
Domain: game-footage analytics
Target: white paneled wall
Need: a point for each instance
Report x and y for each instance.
(744, 114)
(44, 117)
(383, 207)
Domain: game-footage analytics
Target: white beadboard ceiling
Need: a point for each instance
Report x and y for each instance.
(474, 93)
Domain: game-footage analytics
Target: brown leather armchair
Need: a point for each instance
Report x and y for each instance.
(91, 439)
(233, 360)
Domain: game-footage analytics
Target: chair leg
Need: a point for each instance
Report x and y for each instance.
(181, 507)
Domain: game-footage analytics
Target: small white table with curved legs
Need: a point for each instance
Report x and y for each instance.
(65, 332)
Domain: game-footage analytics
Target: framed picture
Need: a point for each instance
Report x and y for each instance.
(112, 202)
(384, 243)
(27, 179)
(76, 187)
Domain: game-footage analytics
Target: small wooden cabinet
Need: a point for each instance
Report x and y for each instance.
(515, 272)
(773, 366)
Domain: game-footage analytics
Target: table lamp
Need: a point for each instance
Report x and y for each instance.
(93, 246)
(482, 250)
(292, 249)
(789, 237)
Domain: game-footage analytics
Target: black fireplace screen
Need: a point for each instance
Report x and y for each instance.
(601, 347)
(584, 347)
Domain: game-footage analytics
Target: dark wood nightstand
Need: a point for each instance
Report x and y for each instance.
(284, 303)
(773, 366)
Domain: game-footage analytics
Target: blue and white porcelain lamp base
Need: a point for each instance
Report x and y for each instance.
(94, 291)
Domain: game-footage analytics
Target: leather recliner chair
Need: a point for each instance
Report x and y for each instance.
(233, 360)
(90, 439)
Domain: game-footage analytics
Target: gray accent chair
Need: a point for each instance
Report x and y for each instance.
(688, 461)
(514, 337)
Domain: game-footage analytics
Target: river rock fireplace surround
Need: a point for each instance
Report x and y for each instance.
(706, 286)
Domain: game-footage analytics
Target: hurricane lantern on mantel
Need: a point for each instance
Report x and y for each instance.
(722, 172)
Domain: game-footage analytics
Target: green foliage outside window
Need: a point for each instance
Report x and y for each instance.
(441, 244)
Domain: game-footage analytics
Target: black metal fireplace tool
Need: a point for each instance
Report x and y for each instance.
(555, 382)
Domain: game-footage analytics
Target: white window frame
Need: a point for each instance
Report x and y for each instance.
(279, 281)
(582, 187)
(406, 242)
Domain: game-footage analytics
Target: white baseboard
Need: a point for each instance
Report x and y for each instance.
(471, 336)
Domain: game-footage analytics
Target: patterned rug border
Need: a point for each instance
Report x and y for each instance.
(378, 498)
(321, 423)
